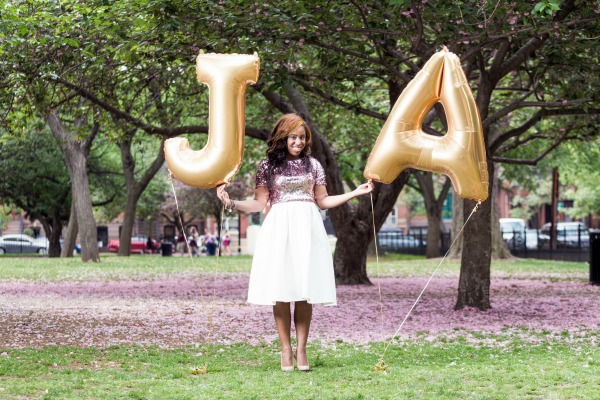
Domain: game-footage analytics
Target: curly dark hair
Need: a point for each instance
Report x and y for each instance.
(277, 142)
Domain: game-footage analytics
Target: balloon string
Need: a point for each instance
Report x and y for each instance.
(377, 263)
(427, 284)
(216, 269)
(204, 368)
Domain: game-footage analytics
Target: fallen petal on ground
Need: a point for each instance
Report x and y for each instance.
(177, 311)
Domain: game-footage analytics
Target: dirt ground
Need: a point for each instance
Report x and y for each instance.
(178, 311)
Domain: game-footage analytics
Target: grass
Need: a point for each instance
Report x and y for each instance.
(145, 267)
(423, 370)
(517, 363)
(112, 267)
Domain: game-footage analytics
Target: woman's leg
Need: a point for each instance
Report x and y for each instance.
(283, 321)
(302, 317)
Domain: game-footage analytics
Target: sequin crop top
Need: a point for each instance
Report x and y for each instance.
(291, 182)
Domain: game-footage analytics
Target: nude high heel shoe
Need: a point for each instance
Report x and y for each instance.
(288, 368)
(301, 367)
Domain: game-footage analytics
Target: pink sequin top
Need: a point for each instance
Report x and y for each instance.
(291, 182)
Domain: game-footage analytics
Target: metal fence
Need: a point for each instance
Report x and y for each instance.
(415, 242)
(571, 244)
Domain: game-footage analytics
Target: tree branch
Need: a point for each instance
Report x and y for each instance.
(151, 129)
(534, 43)
(340, 102)
(442, 196)
(544, 112)
(507, 160)
(275, 99)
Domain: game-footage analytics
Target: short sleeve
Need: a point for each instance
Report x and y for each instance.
(261, 174)
(318, 172)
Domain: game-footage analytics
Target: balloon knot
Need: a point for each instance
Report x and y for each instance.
(198, 371)
(381, 366)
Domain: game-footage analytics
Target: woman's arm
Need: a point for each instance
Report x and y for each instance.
(261, 197)
(324, 201)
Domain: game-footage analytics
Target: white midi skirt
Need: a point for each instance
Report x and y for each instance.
(292, 259)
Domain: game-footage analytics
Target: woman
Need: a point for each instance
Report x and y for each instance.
(226, 243)
(292, 259)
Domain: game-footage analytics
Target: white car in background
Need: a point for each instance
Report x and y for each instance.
(568, 235)
(513, 232)
(22, 244)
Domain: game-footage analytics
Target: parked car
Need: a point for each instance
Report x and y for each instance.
(20, 243)
(568, 235)
(531, 238)
(513, 232)
(396, 239)
(138, 245)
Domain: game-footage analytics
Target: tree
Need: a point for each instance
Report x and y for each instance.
(333, 50)
(35, 179)
(578, 165)
(356, 58)
(76, 152)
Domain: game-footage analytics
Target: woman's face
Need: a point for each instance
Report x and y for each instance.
(296, 141)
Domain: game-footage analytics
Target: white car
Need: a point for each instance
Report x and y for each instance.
(513, 232)
(19, 243)
(568, 235)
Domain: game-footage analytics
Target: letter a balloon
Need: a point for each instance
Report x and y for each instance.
(460, 154)
(227, 76)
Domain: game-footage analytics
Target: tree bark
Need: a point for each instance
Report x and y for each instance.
(499, 247)
(71, 236)
(54, 239)
(433, 208)
(474, 281)
(355, 234)
(76, 152)
(52, 227)
(134, 188)
(458, 217)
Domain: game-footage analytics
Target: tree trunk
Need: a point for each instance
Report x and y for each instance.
(354, 232)
(474, 280)
(134, 188)
(50, 231)
(457, 222)
(71, 236)
(54, 239)
(75, 152)
(499, 247)
(434, 206)
(434, 219)
(128, 222)
(350, 258)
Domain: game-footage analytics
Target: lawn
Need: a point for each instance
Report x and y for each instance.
(141, 327)
(144, 267)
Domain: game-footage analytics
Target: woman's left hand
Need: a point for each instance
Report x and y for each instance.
(365, 188)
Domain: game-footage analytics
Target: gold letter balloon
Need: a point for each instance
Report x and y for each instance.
(227, 76)
(460, 153)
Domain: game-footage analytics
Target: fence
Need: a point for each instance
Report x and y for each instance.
(415, 242)
(571, 244)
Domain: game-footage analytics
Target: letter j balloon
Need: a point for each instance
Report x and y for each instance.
(227, 77)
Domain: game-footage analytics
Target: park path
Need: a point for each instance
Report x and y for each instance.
(170, 311)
